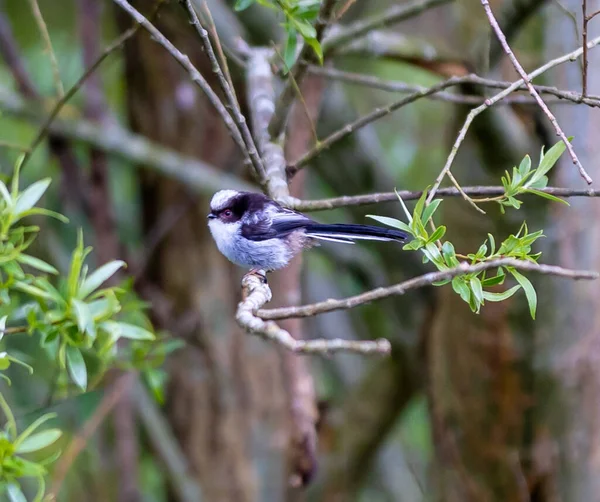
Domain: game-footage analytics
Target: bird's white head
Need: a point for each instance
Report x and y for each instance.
(222, 199)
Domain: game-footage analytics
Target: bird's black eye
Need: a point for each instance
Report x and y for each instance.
(227, 213)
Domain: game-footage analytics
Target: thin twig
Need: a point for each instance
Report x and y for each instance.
(297, 72)
(44, 129)
(419, 282)
(136, 149)
(584, 56)
(393, 15)
(231, 99)
(37, 14)
(197, 78)
(571, 56)
(365, 120)
(561, 96)
(534, 93)
(256, 293)
(472, 191)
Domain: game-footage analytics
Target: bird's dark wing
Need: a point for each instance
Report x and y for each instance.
(273, 224)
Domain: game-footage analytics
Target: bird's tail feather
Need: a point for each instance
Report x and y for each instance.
(341, 232)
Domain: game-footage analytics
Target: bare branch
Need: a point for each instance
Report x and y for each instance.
(365, 120)
(476, 191)
(232, 101)
(393, 15)
(571, 56)
(39, 19)
(419, 282)
(197, 78)
(261, 101)
(256, 293)
(397, 86)
(534, 93)
(297, 72)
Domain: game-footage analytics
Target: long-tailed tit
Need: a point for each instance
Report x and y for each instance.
(256, 232)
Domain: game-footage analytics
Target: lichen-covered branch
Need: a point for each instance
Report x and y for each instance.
(419, 282)
(256, 293)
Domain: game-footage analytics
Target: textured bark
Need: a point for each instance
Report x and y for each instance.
(226, 398)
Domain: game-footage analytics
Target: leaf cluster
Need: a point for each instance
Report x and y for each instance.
(299, 16)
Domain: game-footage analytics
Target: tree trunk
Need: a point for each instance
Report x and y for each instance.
(226, 395)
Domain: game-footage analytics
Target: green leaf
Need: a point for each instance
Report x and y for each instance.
(476, 288)
(306, 29)
(528, 288)
(547, 196)
(243, 4)
(33, 291)
(14, 493)
(31, 195)
(316, 47)
(289, 54)
(131, 331)
(459, 286)
(418, 211)
(449, 254)
(547, 162)
(76, 366)
(83, 316)
(43, 212)
(96, 279)
(438, 234)
(499, 297)
(430, 210)
(525, 165)
(5, 195)
(493, 281)
(391, 222)
(413, 245)
(31, 429)
(39, 441)
(36, 263)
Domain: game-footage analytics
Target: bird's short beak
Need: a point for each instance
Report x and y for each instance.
(211, 216)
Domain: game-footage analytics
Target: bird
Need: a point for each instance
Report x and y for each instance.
(255, 232)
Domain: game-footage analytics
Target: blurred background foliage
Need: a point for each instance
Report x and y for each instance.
(489, 407)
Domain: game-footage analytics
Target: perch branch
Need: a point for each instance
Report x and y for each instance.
(256, 293)
(533, 92)
(419, 282)
(571, 56)
(476, 191)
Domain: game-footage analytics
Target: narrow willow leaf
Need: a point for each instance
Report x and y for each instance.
(83, 315)
(134, 332)
(76, 367)
(499, 297)
(525, 165)
(98, 277)
(476, 289)
(32, 428)
(36, 263)
(289, 54)
(3, 325)
(438, 234)
(43, 212)
(316, 47)
(547, 162)
(391, 222)
(306, 29)
(459, 286)
(547, 196)
(38, 441)
(420, 205)
(33, 291)
(493, 281)
(5, 194)
(429, 211)
(14, 493)
(29, 197)
(528, 288)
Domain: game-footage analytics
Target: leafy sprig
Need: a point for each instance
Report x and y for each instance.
(474, 288)
(299, 16)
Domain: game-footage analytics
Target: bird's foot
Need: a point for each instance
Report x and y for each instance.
(260, 273)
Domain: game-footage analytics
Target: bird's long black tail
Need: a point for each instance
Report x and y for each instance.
(341, 232)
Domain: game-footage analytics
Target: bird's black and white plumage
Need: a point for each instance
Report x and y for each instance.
(256, 232)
